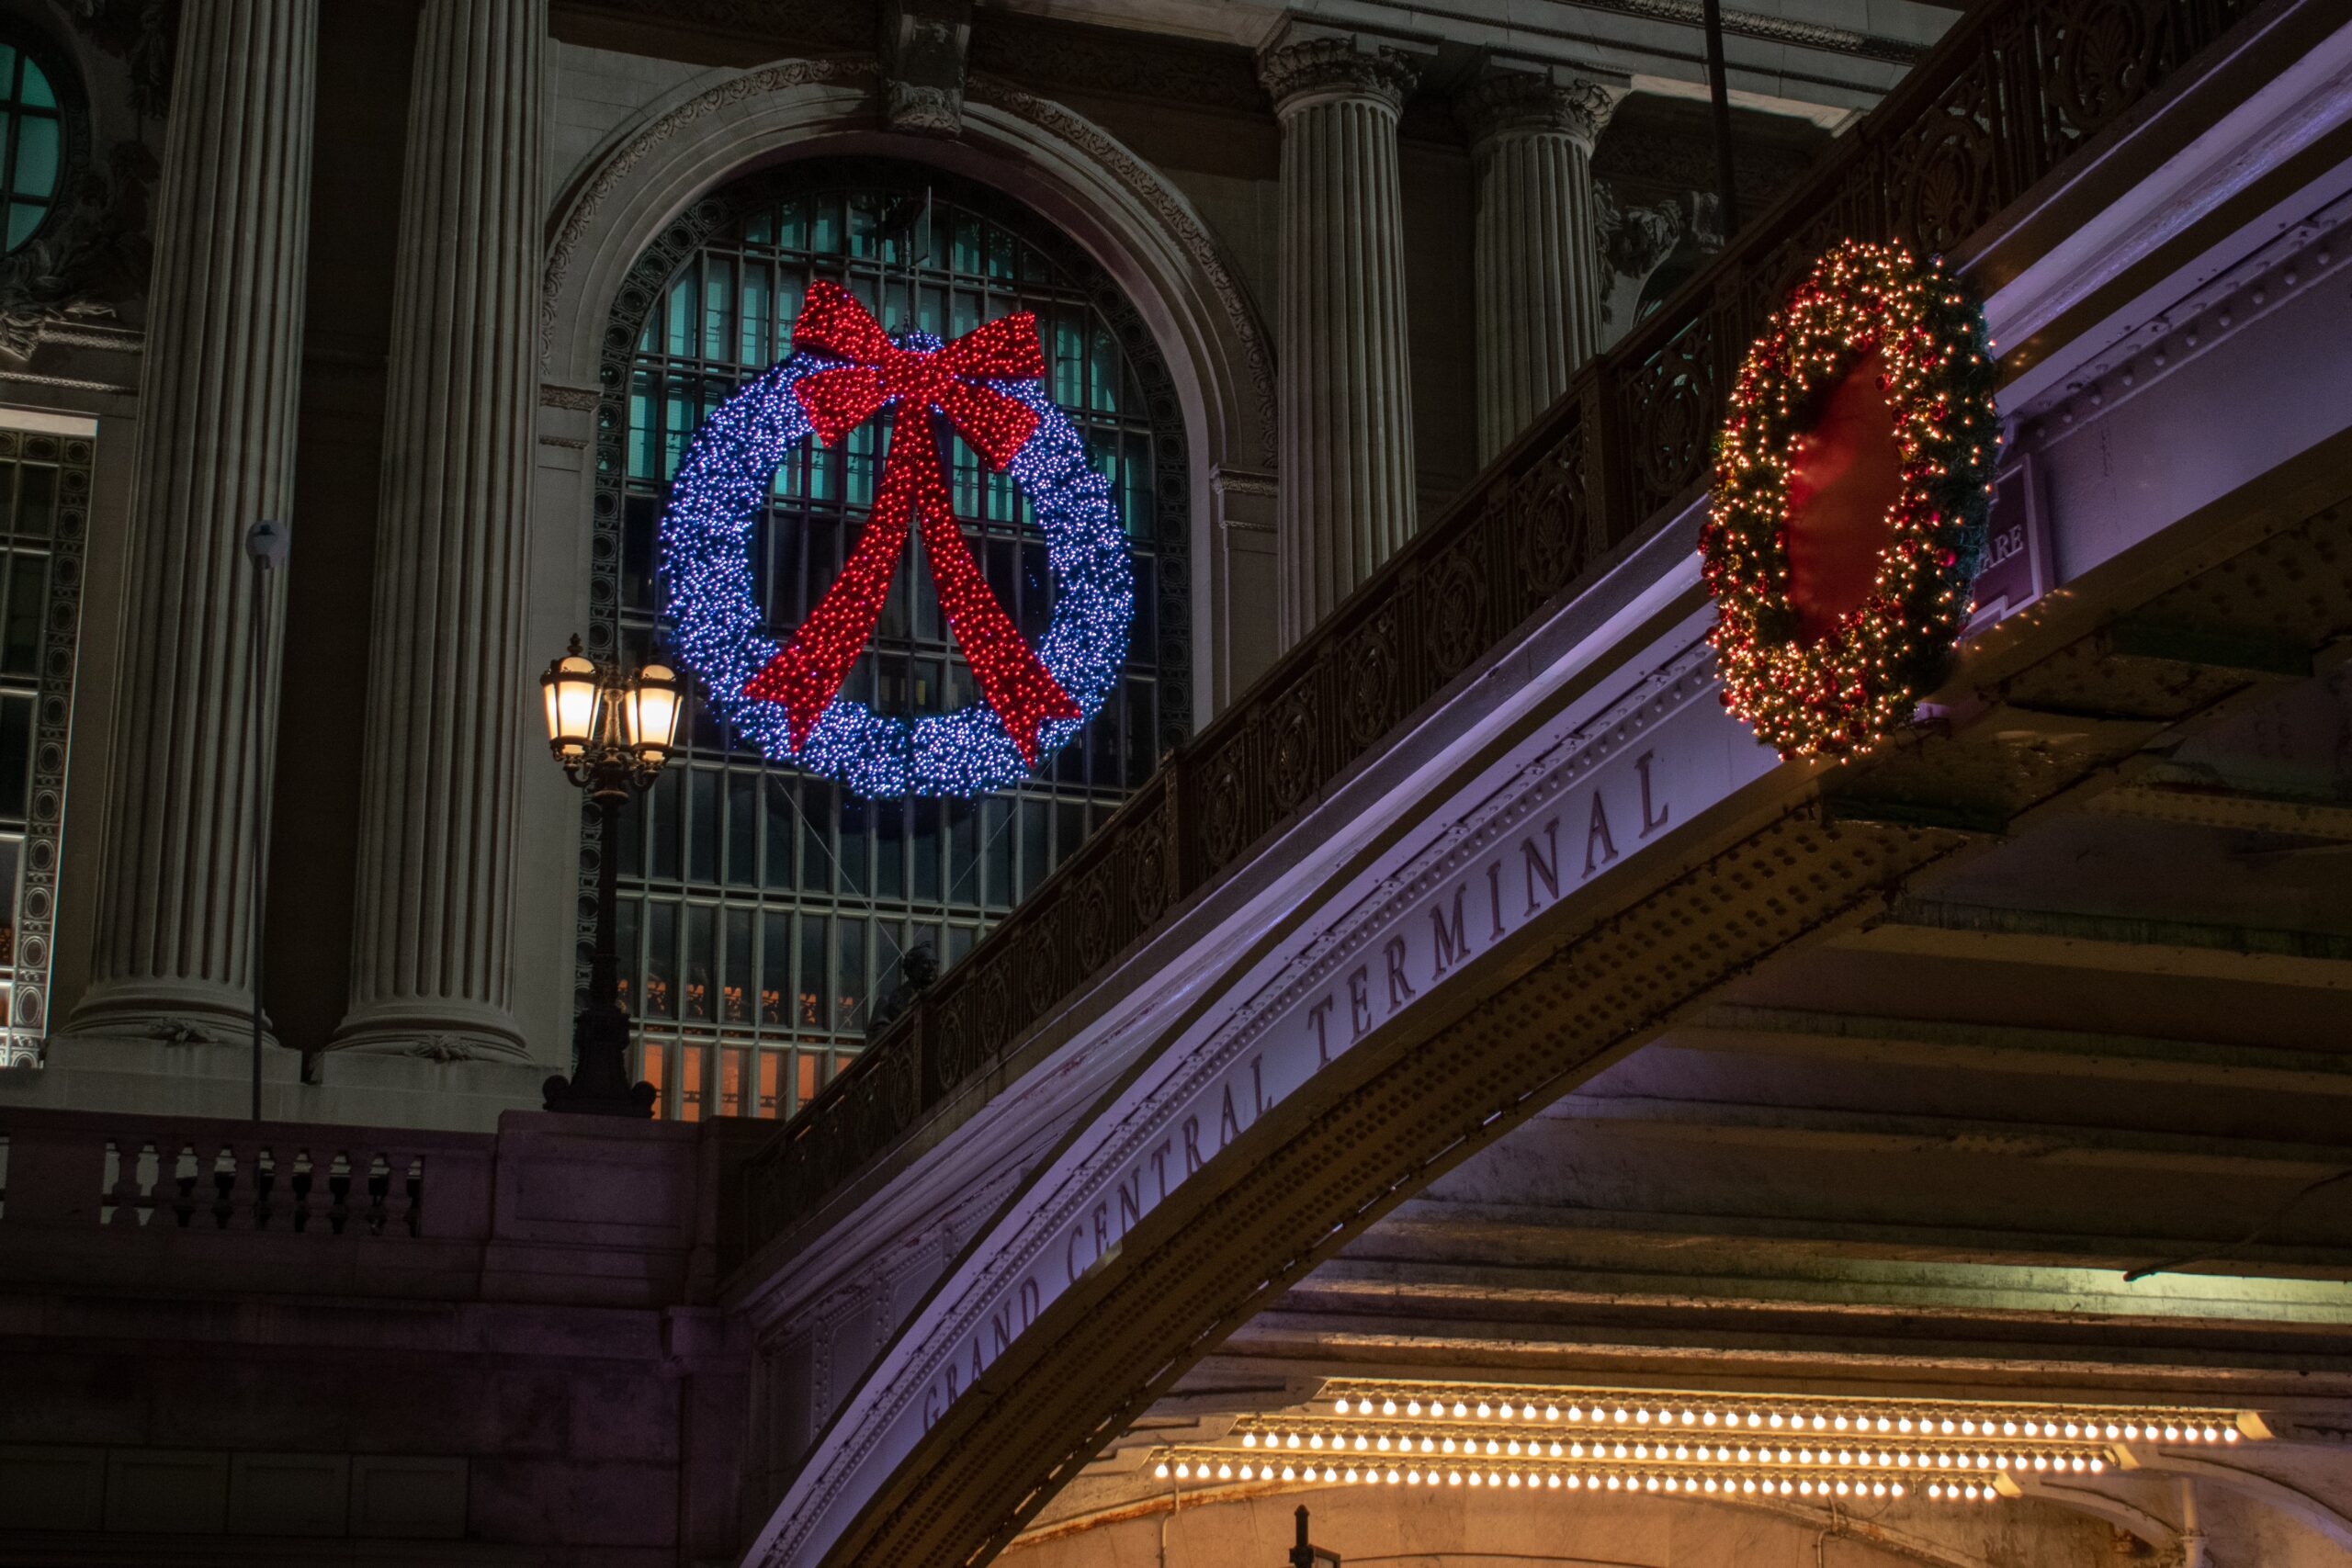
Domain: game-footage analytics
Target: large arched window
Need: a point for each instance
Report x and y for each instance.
(765, 915)
(33, 139)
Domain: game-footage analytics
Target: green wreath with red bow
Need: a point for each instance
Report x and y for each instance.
(1879, 348)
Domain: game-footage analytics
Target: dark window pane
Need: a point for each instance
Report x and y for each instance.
(848, 983)
(1035, 845)
(744, 828)
(814, 976)
(702, 828)
(661, 960)
(667, 786)
(632, 962)
(926, 851)
(28, 598)
(775, 969)
(996, 830)
(890, 849)
(702, 963)
(36, 500)
(781, 818)
(737, 991)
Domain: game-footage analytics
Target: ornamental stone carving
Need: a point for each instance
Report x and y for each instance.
(1523, 103)
(923, 52)
(1335, 67)
(93, 256)
(1634, 239)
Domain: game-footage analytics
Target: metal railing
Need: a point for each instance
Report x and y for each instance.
(2014, 90)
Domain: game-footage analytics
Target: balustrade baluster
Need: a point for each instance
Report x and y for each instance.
(264, 1180)
(380, 1184)
(339, 1192)
(183, 1174)
(116, 1185)
(300, 1184)
(224, 1187)
(412, 1221)
(149, 1179)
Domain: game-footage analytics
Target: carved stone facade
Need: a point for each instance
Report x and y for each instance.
(89, 263)
(1445, 921)
(922, 53)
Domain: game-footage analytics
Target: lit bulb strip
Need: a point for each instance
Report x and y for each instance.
(1212, 1467)
(1633, 1410)
(1459, 1442)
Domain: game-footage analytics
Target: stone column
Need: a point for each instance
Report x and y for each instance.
(1346, 418)
(214, 454)
(1536, 249)
(433, 957)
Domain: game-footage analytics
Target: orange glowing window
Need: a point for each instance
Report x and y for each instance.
(734, 1080)
(652, 1066)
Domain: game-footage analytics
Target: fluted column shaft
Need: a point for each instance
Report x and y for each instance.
(1536, 246)
(215, 453)
(433, 957)
(1346, 417)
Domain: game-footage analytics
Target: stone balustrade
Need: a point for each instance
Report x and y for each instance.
(545, 1209)
(296, 1342)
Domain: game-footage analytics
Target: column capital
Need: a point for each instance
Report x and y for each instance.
(1313, 68)
(1553, 102)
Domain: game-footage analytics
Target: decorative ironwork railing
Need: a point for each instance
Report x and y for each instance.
(2013, 90)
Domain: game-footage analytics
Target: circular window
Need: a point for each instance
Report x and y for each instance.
(34, 159)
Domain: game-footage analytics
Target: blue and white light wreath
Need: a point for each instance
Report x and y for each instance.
(723, 486)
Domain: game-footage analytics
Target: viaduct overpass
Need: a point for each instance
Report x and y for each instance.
(1476, 992)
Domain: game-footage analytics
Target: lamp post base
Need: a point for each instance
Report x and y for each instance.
(599, 1085)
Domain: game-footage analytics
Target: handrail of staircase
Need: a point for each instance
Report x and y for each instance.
(2011, 92)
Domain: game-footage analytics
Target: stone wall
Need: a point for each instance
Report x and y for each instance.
(503, 1340)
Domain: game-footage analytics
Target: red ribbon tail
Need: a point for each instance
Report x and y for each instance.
(1016, 681)
(807, 673)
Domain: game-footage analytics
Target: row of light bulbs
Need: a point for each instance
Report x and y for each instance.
(2171, 1427)
(1683, 1452)
(1208, 1467)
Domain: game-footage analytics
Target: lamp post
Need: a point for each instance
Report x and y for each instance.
(1306, 1555)
(612, 730)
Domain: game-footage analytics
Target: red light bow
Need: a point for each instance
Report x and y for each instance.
(807, 674)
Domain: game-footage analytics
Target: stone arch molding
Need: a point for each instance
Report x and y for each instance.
(1240, 1029)
(1142, 231)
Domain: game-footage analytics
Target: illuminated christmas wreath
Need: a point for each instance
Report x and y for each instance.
(1853, 477)
(784, 699)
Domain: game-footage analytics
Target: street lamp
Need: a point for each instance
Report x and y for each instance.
(1305, 1556)
(612, 730)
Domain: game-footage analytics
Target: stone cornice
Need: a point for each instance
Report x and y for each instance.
(1335, 67)
(1520, 103)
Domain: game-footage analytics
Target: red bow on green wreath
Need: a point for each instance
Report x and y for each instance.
(808, 672)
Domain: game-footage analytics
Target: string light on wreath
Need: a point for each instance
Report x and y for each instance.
(1836, 689)
(786, 698)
